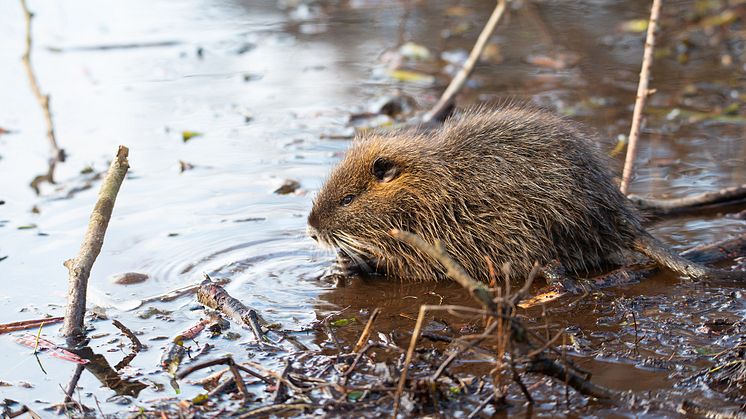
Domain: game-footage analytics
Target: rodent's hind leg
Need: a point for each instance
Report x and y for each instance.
(665, 257)
(554, 273)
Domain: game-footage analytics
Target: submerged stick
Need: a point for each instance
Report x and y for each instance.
(709, 253)
(706, 200)
(438, 111)
(642, 95)
(217, 298)
(80, 267)
(28, 324)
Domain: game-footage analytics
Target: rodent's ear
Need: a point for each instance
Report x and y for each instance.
(384, 169)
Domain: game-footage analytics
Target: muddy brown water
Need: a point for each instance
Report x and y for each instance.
(269, 84)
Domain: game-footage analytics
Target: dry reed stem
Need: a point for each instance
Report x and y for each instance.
(366, 331)
(642, 95)
(459, 80)
(408, 359)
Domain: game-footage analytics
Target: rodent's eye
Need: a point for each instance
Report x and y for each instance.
(347, 200)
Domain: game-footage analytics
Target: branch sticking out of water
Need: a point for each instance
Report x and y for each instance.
(693, 203)
(80, 267)
(642, 95)
(439, 111)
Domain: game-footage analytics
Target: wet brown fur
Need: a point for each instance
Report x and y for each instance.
(516, 185)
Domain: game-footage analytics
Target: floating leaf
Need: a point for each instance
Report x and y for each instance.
(355, 395)
(188, 135)
(724, 18)
(408, 76)
(621, 143)
(27, 227)
(414, 51)
(635, 25)
(343, 322)
(540, 299)
(201, 398)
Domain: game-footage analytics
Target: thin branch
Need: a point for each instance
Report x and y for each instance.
(726, 196)
(366, 331)
(458, 82)
(28, 324)
(136, 344)
(642, 95)
(80, 267)
(408, 359)
(463, 349)
(274, 409)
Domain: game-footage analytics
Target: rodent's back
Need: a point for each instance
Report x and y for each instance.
(514, 185)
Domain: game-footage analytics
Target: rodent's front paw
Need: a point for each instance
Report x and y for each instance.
(356, 266)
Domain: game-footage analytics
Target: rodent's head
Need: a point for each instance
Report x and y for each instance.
(372, 190)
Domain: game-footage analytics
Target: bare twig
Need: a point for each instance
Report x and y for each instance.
(240, 385)
(216, 297)
(357, 359)
(274, 408)
(253, 373)
(136, 344)
(691, 203)
(408, 359)
(366, 331)
(458, 82)
(487, 332)
(481, 406)
(80, 267)
(28, 324)
(642, 95)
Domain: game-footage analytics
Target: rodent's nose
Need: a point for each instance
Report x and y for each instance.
(313, 220)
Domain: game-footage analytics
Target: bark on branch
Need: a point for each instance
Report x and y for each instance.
(642, 95)
(80, 267)
(439, 111)
(726, 196)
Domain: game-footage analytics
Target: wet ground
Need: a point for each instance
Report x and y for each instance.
(270, 86)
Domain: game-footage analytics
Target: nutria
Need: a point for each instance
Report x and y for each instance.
(515, 185)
